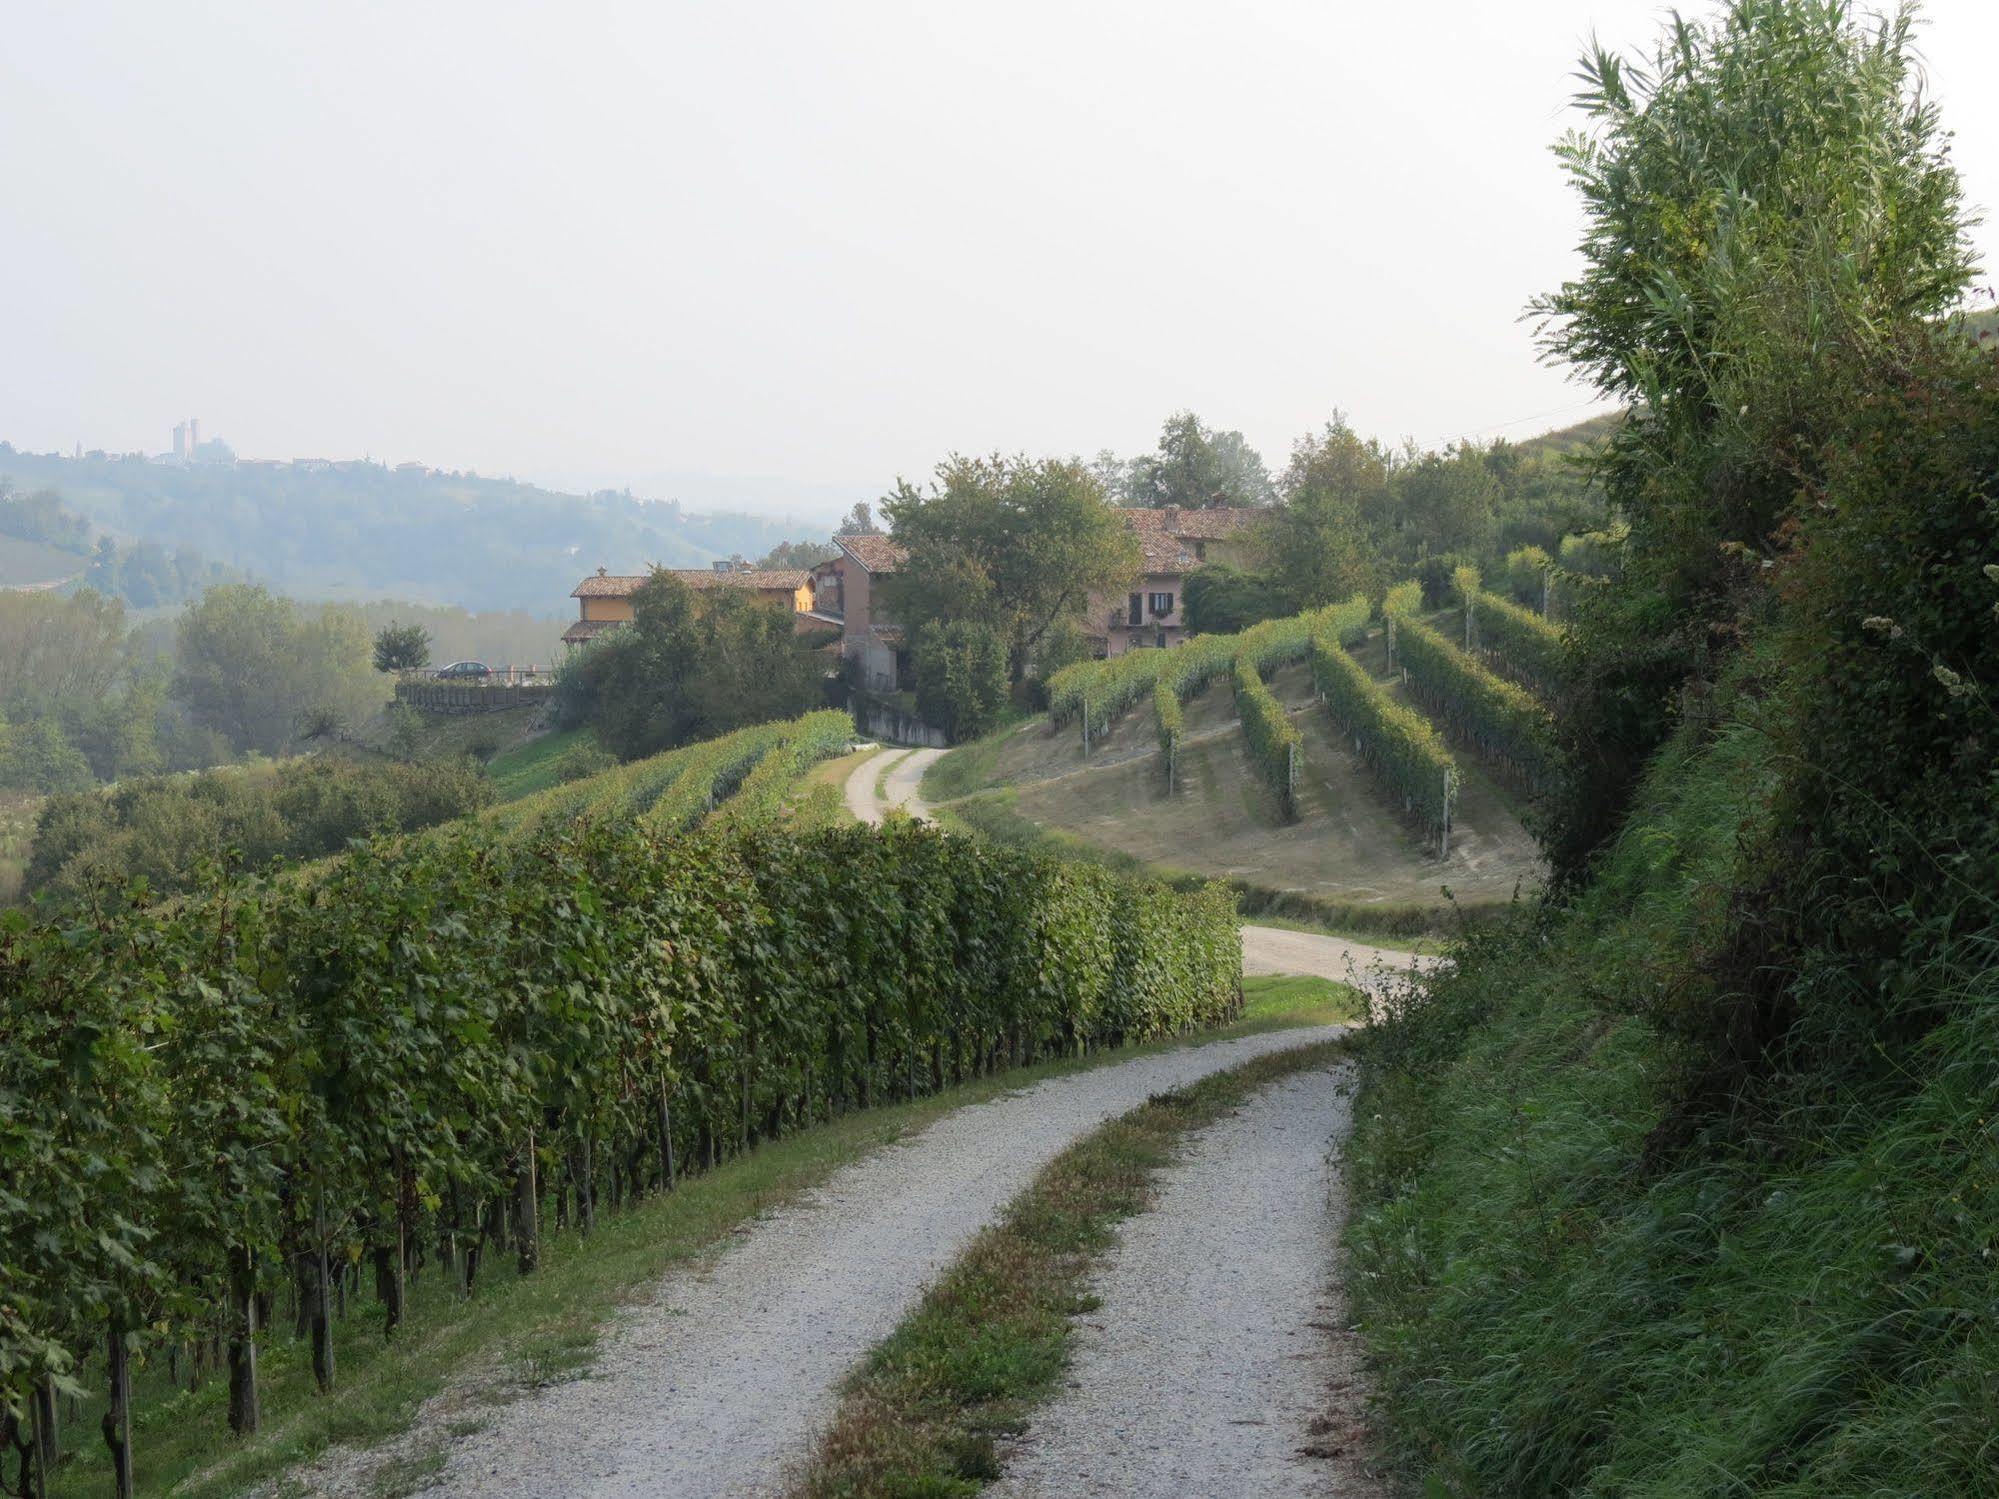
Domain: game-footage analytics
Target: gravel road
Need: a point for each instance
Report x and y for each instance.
(1206, 1370)
(1272, 949)
(901, 786)
(719, 1385)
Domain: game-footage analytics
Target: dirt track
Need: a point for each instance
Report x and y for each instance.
(1271, 949)
(901, 787)
(1219, 1361)
(719, 1385)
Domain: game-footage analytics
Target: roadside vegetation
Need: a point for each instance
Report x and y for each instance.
(1686, 1182)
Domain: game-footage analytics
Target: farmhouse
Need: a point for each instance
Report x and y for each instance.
(844, 593)
(1174, 542)
(604, 600)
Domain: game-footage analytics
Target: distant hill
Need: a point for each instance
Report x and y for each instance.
(1565, 440)
(360, 530)
(36, 564)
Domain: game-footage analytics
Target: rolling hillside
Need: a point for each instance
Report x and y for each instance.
(361, 530)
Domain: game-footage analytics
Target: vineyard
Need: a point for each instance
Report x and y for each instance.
(1398, 743)
(1503, 721)
(671, 791)
(238, 1102)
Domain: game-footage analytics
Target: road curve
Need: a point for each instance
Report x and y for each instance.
(1271, 949)
(901, 787)
(718, 1387)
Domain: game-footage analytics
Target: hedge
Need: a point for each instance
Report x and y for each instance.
(275, 1083)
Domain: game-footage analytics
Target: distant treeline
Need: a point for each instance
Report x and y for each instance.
(363, 530)
(163, 828)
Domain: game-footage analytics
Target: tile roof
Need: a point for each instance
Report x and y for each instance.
(781, 578)
(589, 629)
(872, 550)
(605, 586)
(1164, 534)
(618, 586)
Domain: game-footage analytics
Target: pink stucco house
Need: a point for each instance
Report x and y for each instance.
(1173, 542)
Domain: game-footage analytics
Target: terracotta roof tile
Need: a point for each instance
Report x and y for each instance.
(589, 629)
(618, 585)
(872, 550)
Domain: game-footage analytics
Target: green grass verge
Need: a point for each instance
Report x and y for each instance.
(533, 766)
(922, 1418)
(516, 1334)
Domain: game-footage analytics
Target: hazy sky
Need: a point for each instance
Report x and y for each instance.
(810, 244)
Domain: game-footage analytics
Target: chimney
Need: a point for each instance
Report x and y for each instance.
(600, 572)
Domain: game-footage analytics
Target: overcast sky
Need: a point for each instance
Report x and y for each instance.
(799, 246)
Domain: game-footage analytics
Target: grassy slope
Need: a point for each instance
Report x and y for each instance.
(1554, 1308)
(518, 1333)
(1348, 861)
(531, 765)
(26, 564)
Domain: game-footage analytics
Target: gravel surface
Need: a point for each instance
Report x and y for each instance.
(900, 788)
(719, 1385)
(1272, 949)
(1218, 1363)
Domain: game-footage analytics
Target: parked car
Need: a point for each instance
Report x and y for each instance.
(459, 670)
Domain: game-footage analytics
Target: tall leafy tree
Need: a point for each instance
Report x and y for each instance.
(248, 666)
(1768, 199)
(1016, 543)
(400, 647)
(689, 666)
(1315, 544)
(1198, 467)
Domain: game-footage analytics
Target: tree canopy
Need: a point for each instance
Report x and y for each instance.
(1197, 467)
(250, 667)
(1017, 543)
(689, 666)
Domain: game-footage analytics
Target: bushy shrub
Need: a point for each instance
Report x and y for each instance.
(163, 828)
(961, 677)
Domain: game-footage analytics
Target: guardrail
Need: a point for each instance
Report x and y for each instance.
(499, 676)
(493, 695)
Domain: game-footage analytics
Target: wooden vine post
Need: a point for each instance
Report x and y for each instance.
(1450, 805)
(243, 1405)
(117, 1423)
(527, 1211)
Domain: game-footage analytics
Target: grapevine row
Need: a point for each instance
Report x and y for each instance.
(1274, 743)
(1398, 743)
(1527, 643)
(410, 1058)
(1501, 720)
